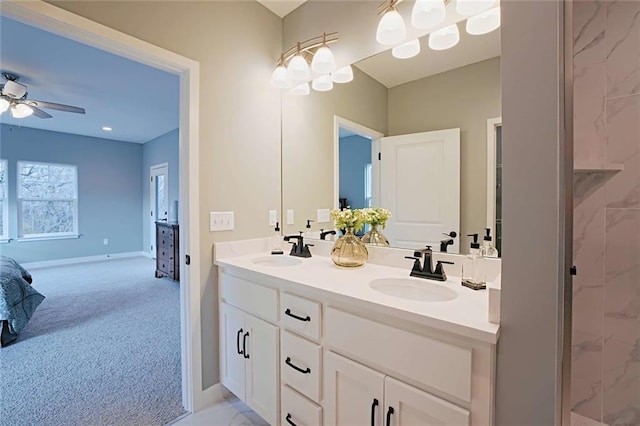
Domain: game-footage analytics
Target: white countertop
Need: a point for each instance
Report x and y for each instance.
(466, 315)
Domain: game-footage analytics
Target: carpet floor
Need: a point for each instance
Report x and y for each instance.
(102, 349)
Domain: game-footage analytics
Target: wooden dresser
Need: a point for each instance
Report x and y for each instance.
(167, 250)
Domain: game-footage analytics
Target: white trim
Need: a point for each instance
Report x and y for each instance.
(492, 123)
(361, 130)
(147, 254)
(47, 237)
(84, 259)
(4, 237)
(58, 21)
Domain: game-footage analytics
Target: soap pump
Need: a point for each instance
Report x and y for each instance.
(307, 233)
(473, 267)
(487, 249)
(276, 241)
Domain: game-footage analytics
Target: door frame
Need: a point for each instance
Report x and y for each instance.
(77, 28)
(153, 218)
(492, 125)
(360, 130)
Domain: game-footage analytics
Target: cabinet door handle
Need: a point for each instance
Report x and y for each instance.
(390, 411)
(373, 411)
(295, 367)
(240, 352)
(244, 345)
(288, 312)
(288, 419)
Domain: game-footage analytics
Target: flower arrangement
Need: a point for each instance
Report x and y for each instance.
(348, 218)
(376, 216)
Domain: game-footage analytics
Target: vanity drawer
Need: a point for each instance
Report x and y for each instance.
(298, 410)
(302, 316)
(250, 297)
(300, 366)
(435, 363)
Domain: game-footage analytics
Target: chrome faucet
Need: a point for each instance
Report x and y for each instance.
(299, 249)
(426, 270)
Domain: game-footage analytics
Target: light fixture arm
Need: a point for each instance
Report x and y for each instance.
(307, 47)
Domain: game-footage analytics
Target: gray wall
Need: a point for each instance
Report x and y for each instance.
(109, 193)
(355, 153)
(163, 149)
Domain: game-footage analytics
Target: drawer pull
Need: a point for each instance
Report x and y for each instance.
(373, 411)
(288, 419)
(390, 411)
(288, 312)
(244, 345)
(295, 367)
(240, 352)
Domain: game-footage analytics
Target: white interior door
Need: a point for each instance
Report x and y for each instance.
(420, 185)
(159, 200)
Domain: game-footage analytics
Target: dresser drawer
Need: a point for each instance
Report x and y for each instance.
(166, 266)
(165, 243)
(298, 410)
(407, 354)
(252, 298)
(165, 231)
(165, 253)
(301, 316)
(301, 364)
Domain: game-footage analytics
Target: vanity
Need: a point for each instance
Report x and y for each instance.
(304, 342)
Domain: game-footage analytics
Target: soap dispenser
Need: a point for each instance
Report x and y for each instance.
(473, 267)
(487, 249)
(308, 233)
(276, 241)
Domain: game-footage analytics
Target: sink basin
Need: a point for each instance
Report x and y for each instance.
(413, 289)
(276, 261)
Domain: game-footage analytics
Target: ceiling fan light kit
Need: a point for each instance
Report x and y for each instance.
(14, 96)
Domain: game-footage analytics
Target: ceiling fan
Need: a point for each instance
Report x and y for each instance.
(14, 95)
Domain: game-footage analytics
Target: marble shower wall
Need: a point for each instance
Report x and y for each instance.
(606, 311)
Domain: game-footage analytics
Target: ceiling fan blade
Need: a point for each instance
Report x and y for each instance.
(53, 105)
(39, 113)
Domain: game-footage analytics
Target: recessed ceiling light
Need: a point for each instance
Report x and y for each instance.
(107, 129)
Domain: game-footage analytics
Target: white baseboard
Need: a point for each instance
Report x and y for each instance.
(85, 259)
(148, 254)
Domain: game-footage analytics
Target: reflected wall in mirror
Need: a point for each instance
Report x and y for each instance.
(435, 120)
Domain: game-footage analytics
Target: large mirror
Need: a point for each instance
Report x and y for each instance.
(420, 137)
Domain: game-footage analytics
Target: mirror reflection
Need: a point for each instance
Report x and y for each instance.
(420, 137)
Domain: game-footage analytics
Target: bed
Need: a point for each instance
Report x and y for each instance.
(18, 299)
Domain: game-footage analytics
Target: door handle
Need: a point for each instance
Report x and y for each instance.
(295, 367)
(373, 411)
(244, 345)
(240, 352)
(390, 411)
(288, 312)
(288, 419)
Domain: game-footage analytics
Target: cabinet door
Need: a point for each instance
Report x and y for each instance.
(232, 361)
(262, 386)
(352, 393)
(408, 406)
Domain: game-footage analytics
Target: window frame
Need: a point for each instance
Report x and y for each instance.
(20, 200)
(4, 237)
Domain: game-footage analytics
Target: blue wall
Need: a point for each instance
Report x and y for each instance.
(163, 149)
(355, 153)
(109, 192)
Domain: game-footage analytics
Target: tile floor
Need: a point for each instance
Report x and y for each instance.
(230, 412)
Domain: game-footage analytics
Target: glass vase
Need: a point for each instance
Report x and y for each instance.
(375, 238)
(349, 251)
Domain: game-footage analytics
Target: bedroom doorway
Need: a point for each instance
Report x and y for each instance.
(57, 21)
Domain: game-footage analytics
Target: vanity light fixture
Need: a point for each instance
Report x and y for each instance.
(107, 128)
(428, 13)
(391, 29)
(343, 75)
(485, 22)
(444, 38)
(324, 83)
(323, 61)
(280, 76)
(301, 89)
(406, 50)
(473, 7)
(21, 111)
(298, 67)
(4, 105)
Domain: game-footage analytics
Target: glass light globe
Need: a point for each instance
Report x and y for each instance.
(444, 38)
(391, 29)
(324, 83)
(428, 13)
(298, 69)
(301, 89)
(485, 22)
(4, 105)
(323, 61)
(473, 7)
(343, 75)
(406, 50)
(21, 111)
(280, 78)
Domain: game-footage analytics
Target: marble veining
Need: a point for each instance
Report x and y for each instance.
(623, 47)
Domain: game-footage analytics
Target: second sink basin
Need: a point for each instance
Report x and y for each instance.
(413, 289)
(277, 260)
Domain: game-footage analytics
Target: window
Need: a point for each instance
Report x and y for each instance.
(4, 204)
(368, 185)
(47, 200)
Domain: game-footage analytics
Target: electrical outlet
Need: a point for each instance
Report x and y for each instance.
(221, 221)
(273, 217)
(105, 241)
(323, 216)
(290, 220)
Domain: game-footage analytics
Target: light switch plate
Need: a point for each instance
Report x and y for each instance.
(290, 219)
(323, 216)
(273, 217)
(221, 221)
